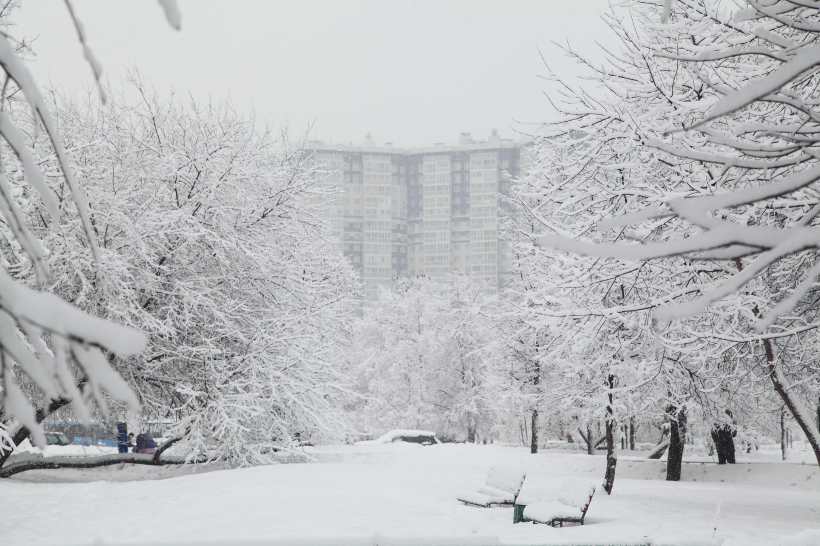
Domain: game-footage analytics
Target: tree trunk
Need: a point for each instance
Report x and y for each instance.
(611, 459)
(818, 412)
(632, 433)
(659, 450)
(783, 433)
(591, 442)
(663, 444)
(22, 433)
(536, 380)
(798, 412)
(534, 435)
(96, 462)
(677, 435)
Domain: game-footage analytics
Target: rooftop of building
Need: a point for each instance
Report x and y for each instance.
(465, 143)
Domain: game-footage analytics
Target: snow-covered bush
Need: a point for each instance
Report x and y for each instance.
(211, 243)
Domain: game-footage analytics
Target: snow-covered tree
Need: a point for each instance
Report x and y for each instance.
(429, 355)
(212, 244)
(48, 346)
(720, 103)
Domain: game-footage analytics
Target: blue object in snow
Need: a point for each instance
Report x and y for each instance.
(144, 441)
(122, 438)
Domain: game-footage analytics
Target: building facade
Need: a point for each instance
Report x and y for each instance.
(420, 211)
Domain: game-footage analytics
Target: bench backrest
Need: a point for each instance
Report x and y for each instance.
(506, 478)
(577, 493)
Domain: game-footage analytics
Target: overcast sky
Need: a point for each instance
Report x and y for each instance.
(409, 72)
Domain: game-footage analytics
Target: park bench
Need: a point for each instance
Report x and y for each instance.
(571, 505)
(502, 487)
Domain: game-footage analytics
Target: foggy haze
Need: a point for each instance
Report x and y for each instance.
(408, 72)
(402, 272)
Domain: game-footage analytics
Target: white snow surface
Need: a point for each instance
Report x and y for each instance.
(506, 478)
(486, 496)
(573, 497)
(404, 494)
(25, 448)
(545, 512)
(576, 493)
(503, 485)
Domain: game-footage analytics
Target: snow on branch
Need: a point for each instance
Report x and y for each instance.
(760, 160)
(43, 337)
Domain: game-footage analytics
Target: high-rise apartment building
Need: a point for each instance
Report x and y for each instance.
(421, 211)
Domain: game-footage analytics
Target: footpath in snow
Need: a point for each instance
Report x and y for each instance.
(404, 494)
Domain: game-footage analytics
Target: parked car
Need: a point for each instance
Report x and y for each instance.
(423, 437)
(97, 434)
(57, 439)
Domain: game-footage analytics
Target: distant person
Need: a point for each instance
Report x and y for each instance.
(723, 435)
(145, 444)
(122, 438)
(131, 441)
(569, 439)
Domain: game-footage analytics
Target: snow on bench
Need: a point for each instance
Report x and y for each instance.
(572, 504)
(502, 487)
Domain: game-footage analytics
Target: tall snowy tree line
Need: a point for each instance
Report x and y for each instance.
(679, 184)
(664, 262)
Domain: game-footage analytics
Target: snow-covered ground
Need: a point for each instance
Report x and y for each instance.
(404, 494)
(64, 451)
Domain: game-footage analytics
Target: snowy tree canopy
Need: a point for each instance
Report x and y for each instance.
(430, 356)
(46, 344)
(211, 242)
(688, 202)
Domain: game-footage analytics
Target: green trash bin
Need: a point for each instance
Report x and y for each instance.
(518, 513)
